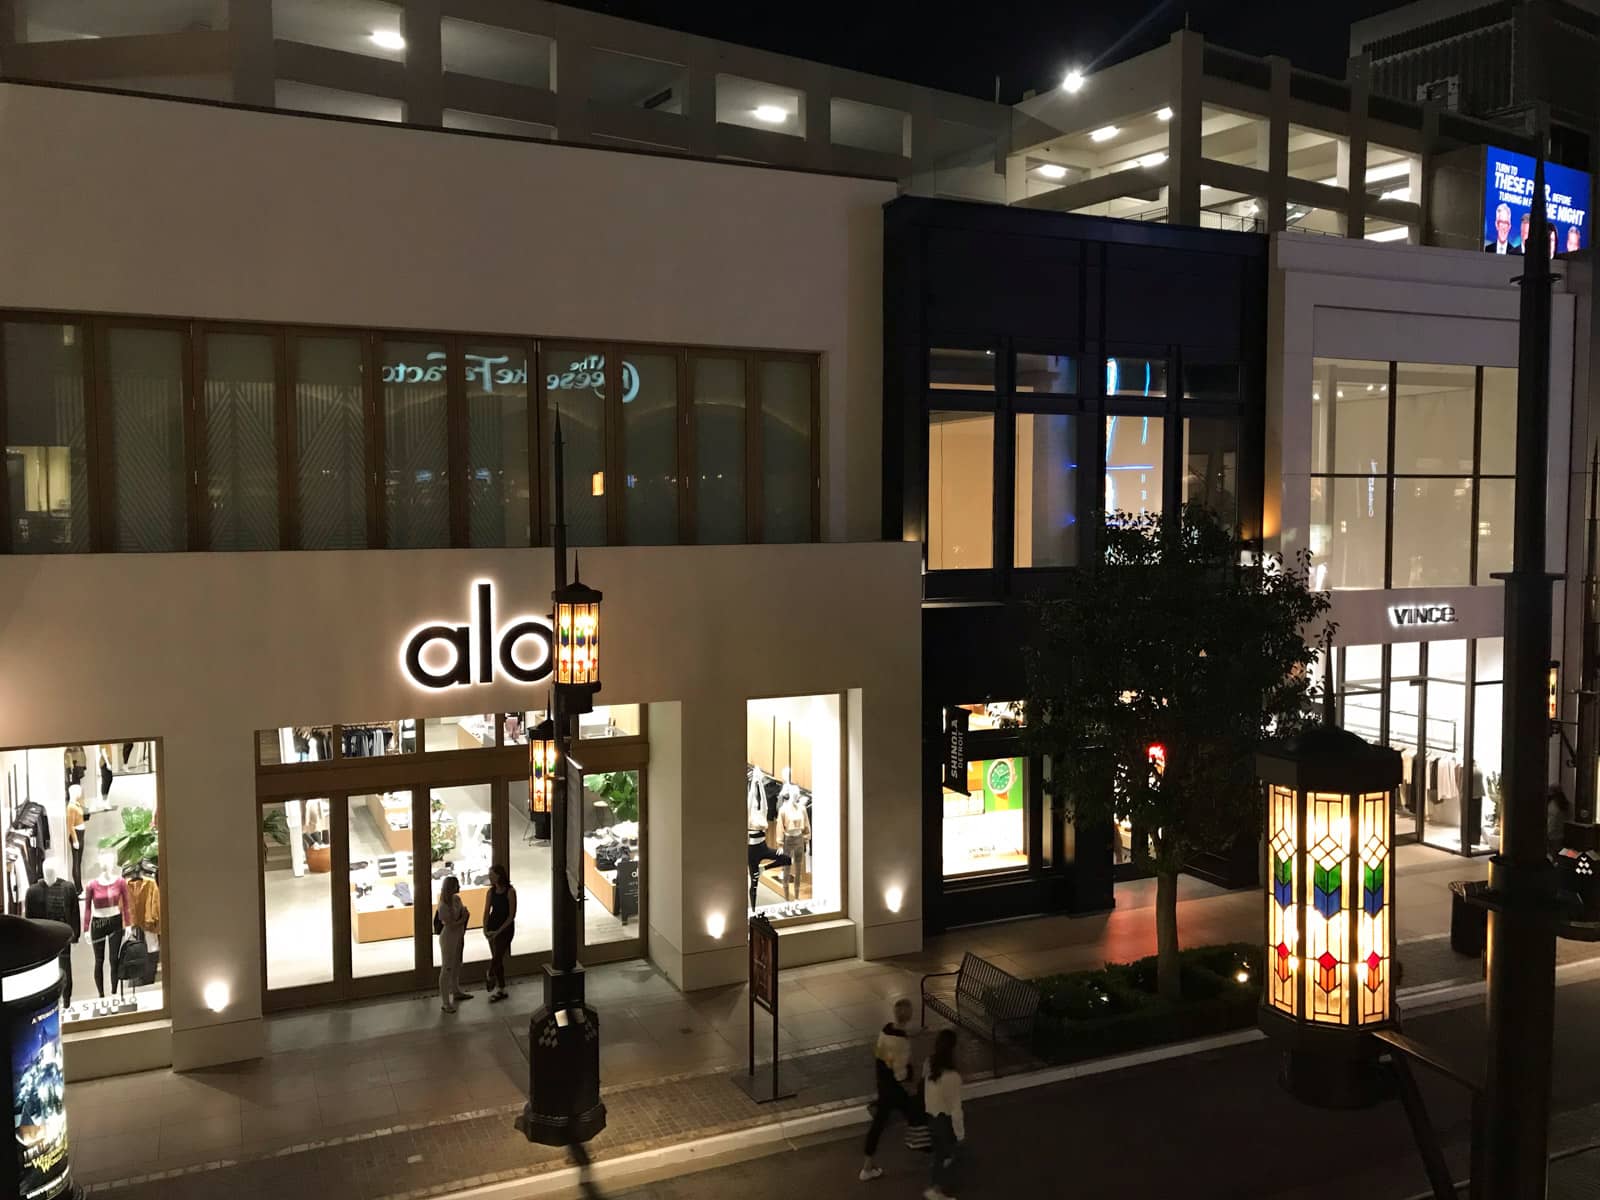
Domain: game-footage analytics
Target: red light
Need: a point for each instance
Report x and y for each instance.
(1158, 758)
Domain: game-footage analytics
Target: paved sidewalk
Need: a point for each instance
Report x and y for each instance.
(391, 1097)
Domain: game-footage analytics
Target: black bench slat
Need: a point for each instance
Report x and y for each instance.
(987, 1001)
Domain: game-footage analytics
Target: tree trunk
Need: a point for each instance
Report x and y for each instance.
(1168, 980)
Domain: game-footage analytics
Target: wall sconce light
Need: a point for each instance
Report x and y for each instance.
(717, 925)
(893, 899)
(216, 995)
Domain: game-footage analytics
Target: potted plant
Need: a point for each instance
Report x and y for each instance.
(441, 831)
(139, 840)
(620, 790)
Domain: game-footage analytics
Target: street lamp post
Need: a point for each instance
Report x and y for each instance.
(1522, 885)
(564, 1107)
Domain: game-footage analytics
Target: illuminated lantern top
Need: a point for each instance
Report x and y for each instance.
(577, 636)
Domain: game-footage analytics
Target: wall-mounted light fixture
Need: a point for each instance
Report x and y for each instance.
(716, 925)
(216, 995)
(893, 898)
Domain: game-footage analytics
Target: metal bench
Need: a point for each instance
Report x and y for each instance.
(987, 1001)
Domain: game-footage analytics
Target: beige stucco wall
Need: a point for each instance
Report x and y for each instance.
(130, 205)
(201, 650)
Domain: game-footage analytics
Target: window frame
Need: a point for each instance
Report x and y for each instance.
(1391, 479)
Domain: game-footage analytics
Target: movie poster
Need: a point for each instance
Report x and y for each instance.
(39, 1104)
(1508, 203)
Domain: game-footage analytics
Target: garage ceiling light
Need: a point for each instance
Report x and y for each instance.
(1104, 134)
(388, 39)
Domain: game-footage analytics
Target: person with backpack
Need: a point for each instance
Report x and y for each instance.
(892, 1065)
(941, 1095)
(450, 923)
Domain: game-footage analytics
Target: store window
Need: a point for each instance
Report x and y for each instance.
(650, 449)
(1211, 466)
(960, 491)
(610, 721)
(241, 441)
(1047, 480)
(575, 381)
(1046, 374)
(461, 841)
(80, 831)
(985, 827)
(1134, 465)
(380, 847)
(794, 805)
(787, 481)
(330, 443)
(297, 892)
(416, 487)
(961, 370)
(499, 434)
(718, 414)
(1143, 377)
(47, 464)
(1442, 509)
(1445, 786)
(148, 470)
(1002, 715)
(1488, 689)
(473, 732)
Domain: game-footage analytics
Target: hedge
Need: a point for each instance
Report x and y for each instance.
(1088, 1014)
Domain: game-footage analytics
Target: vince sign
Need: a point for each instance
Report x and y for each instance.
(1421, 614)
(523, 649)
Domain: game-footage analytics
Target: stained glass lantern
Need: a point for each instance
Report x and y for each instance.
(577, 636)
(1329, 893)
(541, 765)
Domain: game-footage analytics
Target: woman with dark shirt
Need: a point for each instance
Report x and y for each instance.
(499, 927)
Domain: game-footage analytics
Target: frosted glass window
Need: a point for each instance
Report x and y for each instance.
(960, 491)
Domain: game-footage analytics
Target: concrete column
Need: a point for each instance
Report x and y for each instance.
(1016, 178)
(250, 45)
(424, 97)
(1277, 164)
(1183, 131)
(11, 20)
(574, 61)
(1358, 74)
(700, 104)
(818, 102)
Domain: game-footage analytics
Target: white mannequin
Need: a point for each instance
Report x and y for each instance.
(795, 834)
(51, 874)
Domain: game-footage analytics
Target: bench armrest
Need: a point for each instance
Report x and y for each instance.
(922, 991)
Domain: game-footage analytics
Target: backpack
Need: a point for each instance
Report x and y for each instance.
(134, 965)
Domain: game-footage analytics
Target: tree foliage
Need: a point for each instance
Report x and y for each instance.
(1177, 637)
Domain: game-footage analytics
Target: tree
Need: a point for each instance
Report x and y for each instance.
(1152, 679)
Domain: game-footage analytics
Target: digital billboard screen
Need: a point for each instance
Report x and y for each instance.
(1508, 200)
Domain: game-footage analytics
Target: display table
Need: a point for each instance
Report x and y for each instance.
(381, 808)
(387, 924)
(600, 884)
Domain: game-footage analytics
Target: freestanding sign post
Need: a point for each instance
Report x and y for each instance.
(30, 1016)
(764, 992)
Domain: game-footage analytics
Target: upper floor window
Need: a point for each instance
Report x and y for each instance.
(1437, 510)
(170, 435)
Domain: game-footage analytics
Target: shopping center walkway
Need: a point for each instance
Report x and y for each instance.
(392, 1098)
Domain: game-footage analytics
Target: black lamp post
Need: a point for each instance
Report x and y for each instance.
(564, 1107)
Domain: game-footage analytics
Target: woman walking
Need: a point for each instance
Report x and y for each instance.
(450, 922)
(499, 927)
(942, 1099)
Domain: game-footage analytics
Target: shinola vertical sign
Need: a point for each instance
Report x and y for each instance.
(479, 650)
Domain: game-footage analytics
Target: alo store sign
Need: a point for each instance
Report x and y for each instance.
(436, 655)
(585, 375)
(1421, 614)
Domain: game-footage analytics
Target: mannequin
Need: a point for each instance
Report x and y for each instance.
(105, 912)
(760, 853)
(795, 828)
(56, 899)
(76, 824)
(104, 758)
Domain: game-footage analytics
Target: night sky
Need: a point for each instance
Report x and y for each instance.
(961, 45)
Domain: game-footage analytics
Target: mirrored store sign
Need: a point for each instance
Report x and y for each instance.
(484, 370)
